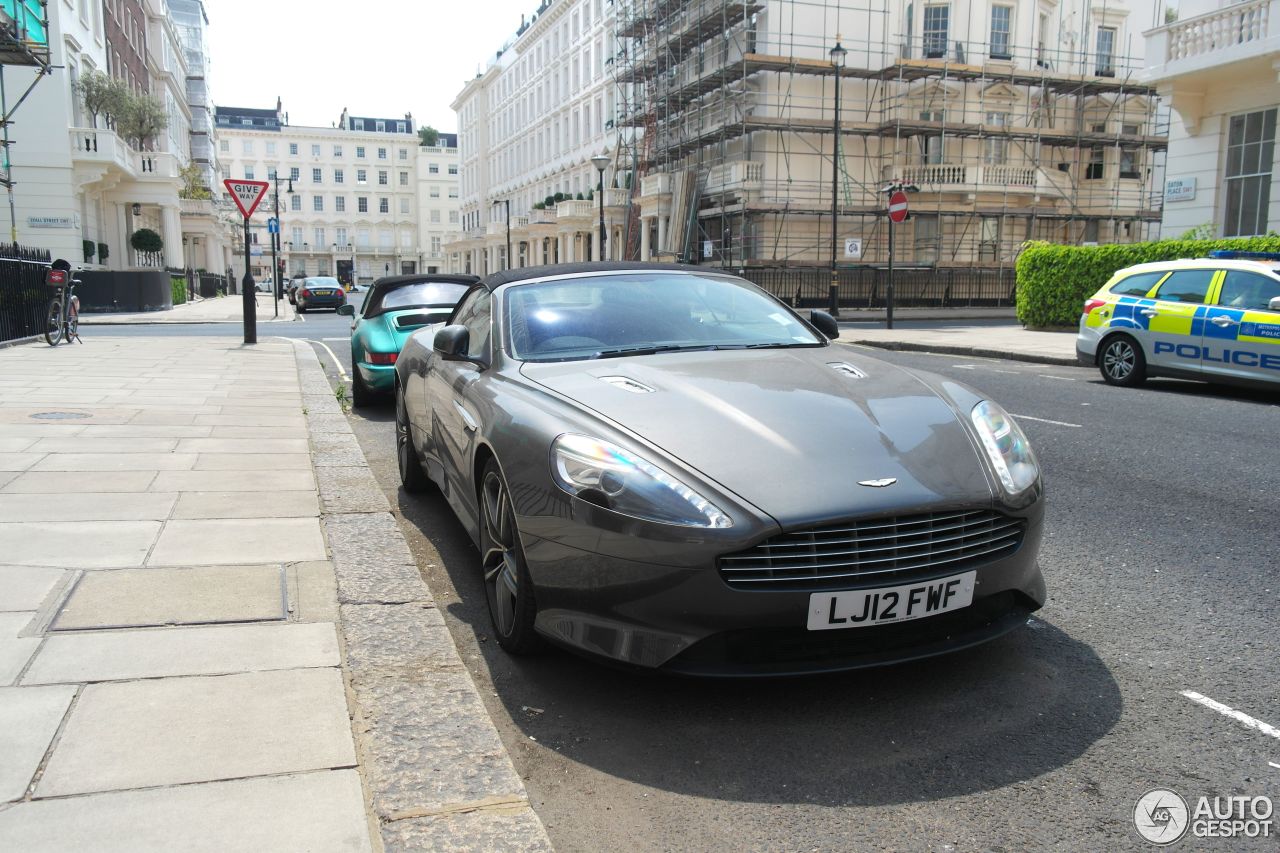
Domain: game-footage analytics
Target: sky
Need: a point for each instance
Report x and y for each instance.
(379, 58)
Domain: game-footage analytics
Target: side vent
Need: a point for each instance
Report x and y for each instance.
(626, 384)
(847, 369)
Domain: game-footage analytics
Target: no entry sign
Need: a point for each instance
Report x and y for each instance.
(898, 206)
(246, 194)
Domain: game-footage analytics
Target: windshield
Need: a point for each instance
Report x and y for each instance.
(635, 314)
(419, 294)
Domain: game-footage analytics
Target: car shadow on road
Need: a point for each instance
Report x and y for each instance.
(1208, 390)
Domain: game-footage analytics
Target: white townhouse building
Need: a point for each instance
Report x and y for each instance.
(439, 205)
(1215, 64)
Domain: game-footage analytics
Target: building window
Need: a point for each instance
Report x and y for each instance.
(337, 176)
(1041, 36)
(404, 205)
(224, 146)
(1001, 24)
(435, 216)
(297, 236)
(453, 217)
(337, 151)
(453, 192)
(1250, 151)
(340, 204)
(341, 236)
(404, 179)
(317, 203)
(381, 127)
(360, 151)
(226, 173)
(932, 144)
(1105, 65)
(357, 124)
(362, 240)
(384, 205)
(435, 246)
(293, 148)
(382, 153)
(315, 176)
(453, 170)
(435, 192)
(989, 238)
(433, 168)
(404, 152)
(926, 238)
(1091, 232)
(995, 149)
(315, 150)
(1097, 159)
(1129, 163)
(271, 149)
(400, 127)
(295, 202)
(362, 204)
(246, 146)
(936, 30)
(382, 177)
(318, 236)
(362, 176)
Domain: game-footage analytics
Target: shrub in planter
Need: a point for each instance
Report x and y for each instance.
(146, 240)
(1054, 281)
(104, 252)
(178, 284)
(88, 247)
(549, 201)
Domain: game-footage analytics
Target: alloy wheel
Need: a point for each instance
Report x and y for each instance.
(501, 567)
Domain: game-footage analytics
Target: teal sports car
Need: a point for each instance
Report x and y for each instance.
(393, 309)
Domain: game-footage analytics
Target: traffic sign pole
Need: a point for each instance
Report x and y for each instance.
(897, 213)
(247, 195)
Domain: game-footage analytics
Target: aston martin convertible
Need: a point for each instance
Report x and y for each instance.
(667, 467)
(394, 308)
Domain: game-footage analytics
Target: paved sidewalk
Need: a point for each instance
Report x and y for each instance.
(171, 608)
(217, 309)
(1013, 342)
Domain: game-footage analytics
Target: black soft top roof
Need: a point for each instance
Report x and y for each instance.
(524, 273)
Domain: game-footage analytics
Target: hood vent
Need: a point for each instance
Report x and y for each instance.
(405, 321)
(847, 369)
(626, 384)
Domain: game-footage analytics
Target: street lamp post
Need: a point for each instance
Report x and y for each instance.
(838, 54)
(275, 238)
(506, 203)
(600, 161)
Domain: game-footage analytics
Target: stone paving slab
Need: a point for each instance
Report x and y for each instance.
(236, 540)
(29, 718)
(143, 431)
(318, 812)
(297, 504)
(19, 461)
(350, 490)
(253, 462)
(88, 506)
(16, 444)
(171, 731)
(90, 444)
(243, 445)
(26, 587)
(493, 829)
(69, 482)
(251, 420)
(15, 651)
(220, 650)
(78, 544)
(133, 598)
(233, 481)
(117, 462)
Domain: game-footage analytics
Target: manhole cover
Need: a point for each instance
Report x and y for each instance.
(59, 416)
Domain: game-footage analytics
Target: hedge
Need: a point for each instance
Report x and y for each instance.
(178, 284)
(1054, 281)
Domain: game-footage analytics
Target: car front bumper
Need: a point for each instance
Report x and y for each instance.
(688, 620)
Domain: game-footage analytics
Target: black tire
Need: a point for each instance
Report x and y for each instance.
(361, 396)
(73, 328)
(1121, 362)
(53, 326)
(412, 477)
(507, 586)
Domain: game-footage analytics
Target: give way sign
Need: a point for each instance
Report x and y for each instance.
(898, 206)
(246, 194)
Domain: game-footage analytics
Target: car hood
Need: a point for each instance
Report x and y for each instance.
(790, 431)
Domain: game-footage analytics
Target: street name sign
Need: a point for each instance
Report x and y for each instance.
(246, 194)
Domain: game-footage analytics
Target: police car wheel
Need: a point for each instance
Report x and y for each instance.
(1121, 362)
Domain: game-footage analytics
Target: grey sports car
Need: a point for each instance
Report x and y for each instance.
(668, 467)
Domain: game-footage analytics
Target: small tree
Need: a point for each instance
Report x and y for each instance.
(428, 136)
(193, 183)
(102, 95)
(142, 120)
(146, 240)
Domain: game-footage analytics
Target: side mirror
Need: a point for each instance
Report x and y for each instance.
(347, 310)
(1274, 304)
(825, 323)
(452, 342)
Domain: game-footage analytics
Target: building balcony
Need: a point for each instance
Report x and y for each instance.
(542, 217)
(735, 177)
(575, 209)
(196, 207)
(652, 186)
(986, 177)
(1216, 44)
(101, 156)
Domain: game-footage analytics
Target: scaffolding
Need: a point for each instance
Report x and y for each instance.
(1056, 139)
(24, 41)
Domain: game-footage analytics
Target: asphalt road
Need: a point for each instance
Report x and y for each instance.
(1163, 564)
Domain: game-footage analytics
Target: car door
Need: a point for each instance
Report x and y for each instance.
(454, 417)
(1241, 330)
(1171, 335)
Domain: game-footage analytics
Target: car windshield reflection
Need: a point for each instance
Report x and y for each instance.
(644, 314)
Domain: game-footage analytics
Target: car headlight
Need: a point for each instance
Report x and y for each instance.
(609, 476)
(1007, 446)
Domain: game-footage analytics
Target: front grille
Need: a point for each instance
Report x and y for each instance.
(881, 550)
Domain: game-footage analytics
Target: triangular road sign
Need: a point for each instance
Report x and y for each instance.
(246, 194)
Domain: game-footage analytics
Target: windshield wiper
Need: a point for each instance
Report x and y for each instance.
(781, 345)
(642, 350)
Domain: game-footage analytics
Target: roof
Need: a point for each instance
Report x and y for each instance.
(498, 279)
(394, 280)
(1205, 263)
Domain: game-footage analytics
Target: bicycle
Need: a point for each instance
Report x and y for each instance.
(62, 320)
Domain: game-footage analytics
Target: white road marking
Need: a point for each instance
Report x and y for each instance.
(1240, 716)
(1047, 421)
(340, 340)
(333, 356)
(1273, 764)
(964, 366)
(1063, 378)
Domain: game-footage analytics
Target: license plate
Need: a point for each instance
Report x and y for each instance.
(322, 293)
(862, 607)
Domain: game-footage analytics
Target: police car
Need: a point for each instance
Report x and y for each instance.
(1216, 319)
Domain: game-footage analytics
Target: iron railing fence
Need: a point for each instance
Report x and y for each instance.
(24, 297)
(866, 287)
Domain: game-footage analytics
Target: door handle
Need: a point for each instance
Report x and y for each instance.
(1150, 312)
(1224, 321)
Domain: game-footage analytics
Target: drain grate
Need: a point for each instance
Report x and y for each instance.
(59, 416)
